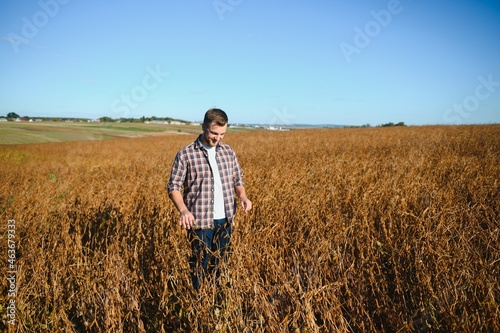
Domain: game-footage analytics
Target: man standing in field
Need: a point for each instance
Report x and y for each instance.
(210, 176)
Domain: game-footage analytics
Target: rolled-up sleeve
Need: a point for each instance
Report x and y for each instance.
(238, 173)
(178, 174)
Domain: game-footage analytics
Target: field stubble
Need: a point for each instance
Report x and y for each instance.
(353, 230)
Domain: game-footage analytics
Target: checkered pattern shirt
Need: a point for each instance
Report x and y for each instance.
(191, 171)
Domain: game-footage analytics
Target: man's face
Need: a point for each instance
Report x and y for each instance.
(213, 134)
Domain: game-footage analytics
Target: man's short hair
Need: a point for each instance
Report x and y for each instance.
(215, 115)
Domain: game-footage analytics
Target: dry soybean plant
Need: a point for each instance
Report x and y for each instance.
(353, 230)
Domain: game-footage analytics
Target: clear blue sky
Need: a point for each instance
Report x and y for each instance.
(276, 61)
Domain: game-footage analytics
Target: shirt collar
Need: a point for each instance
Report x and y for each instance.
(199, 145)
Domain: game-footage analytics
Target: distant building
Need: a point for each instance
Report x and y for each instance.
(272, 128)
(23, 119)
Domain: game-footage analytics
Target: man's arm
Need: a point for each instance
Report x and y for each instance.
(177, 176)
(187, 219)
(246, 204)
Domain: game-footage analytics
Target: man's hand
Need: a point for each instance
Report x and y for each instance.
(187, 219)
(246, 204)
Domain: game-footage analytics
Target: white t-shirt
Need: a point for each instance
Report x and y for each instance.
(219, 211)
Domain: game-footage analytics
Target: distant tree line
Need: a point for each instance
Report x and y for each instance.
(11, 116)
(142, 119)
(392, 124)
(401, 123)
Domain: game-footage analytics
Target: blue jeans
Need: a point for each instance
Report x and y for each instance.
(208, 247)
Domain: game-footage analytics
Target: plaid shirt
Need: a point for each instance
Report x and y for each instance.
(191, 171)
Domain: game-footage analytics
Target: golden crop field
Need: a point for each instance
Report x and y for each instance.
(392, 229)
